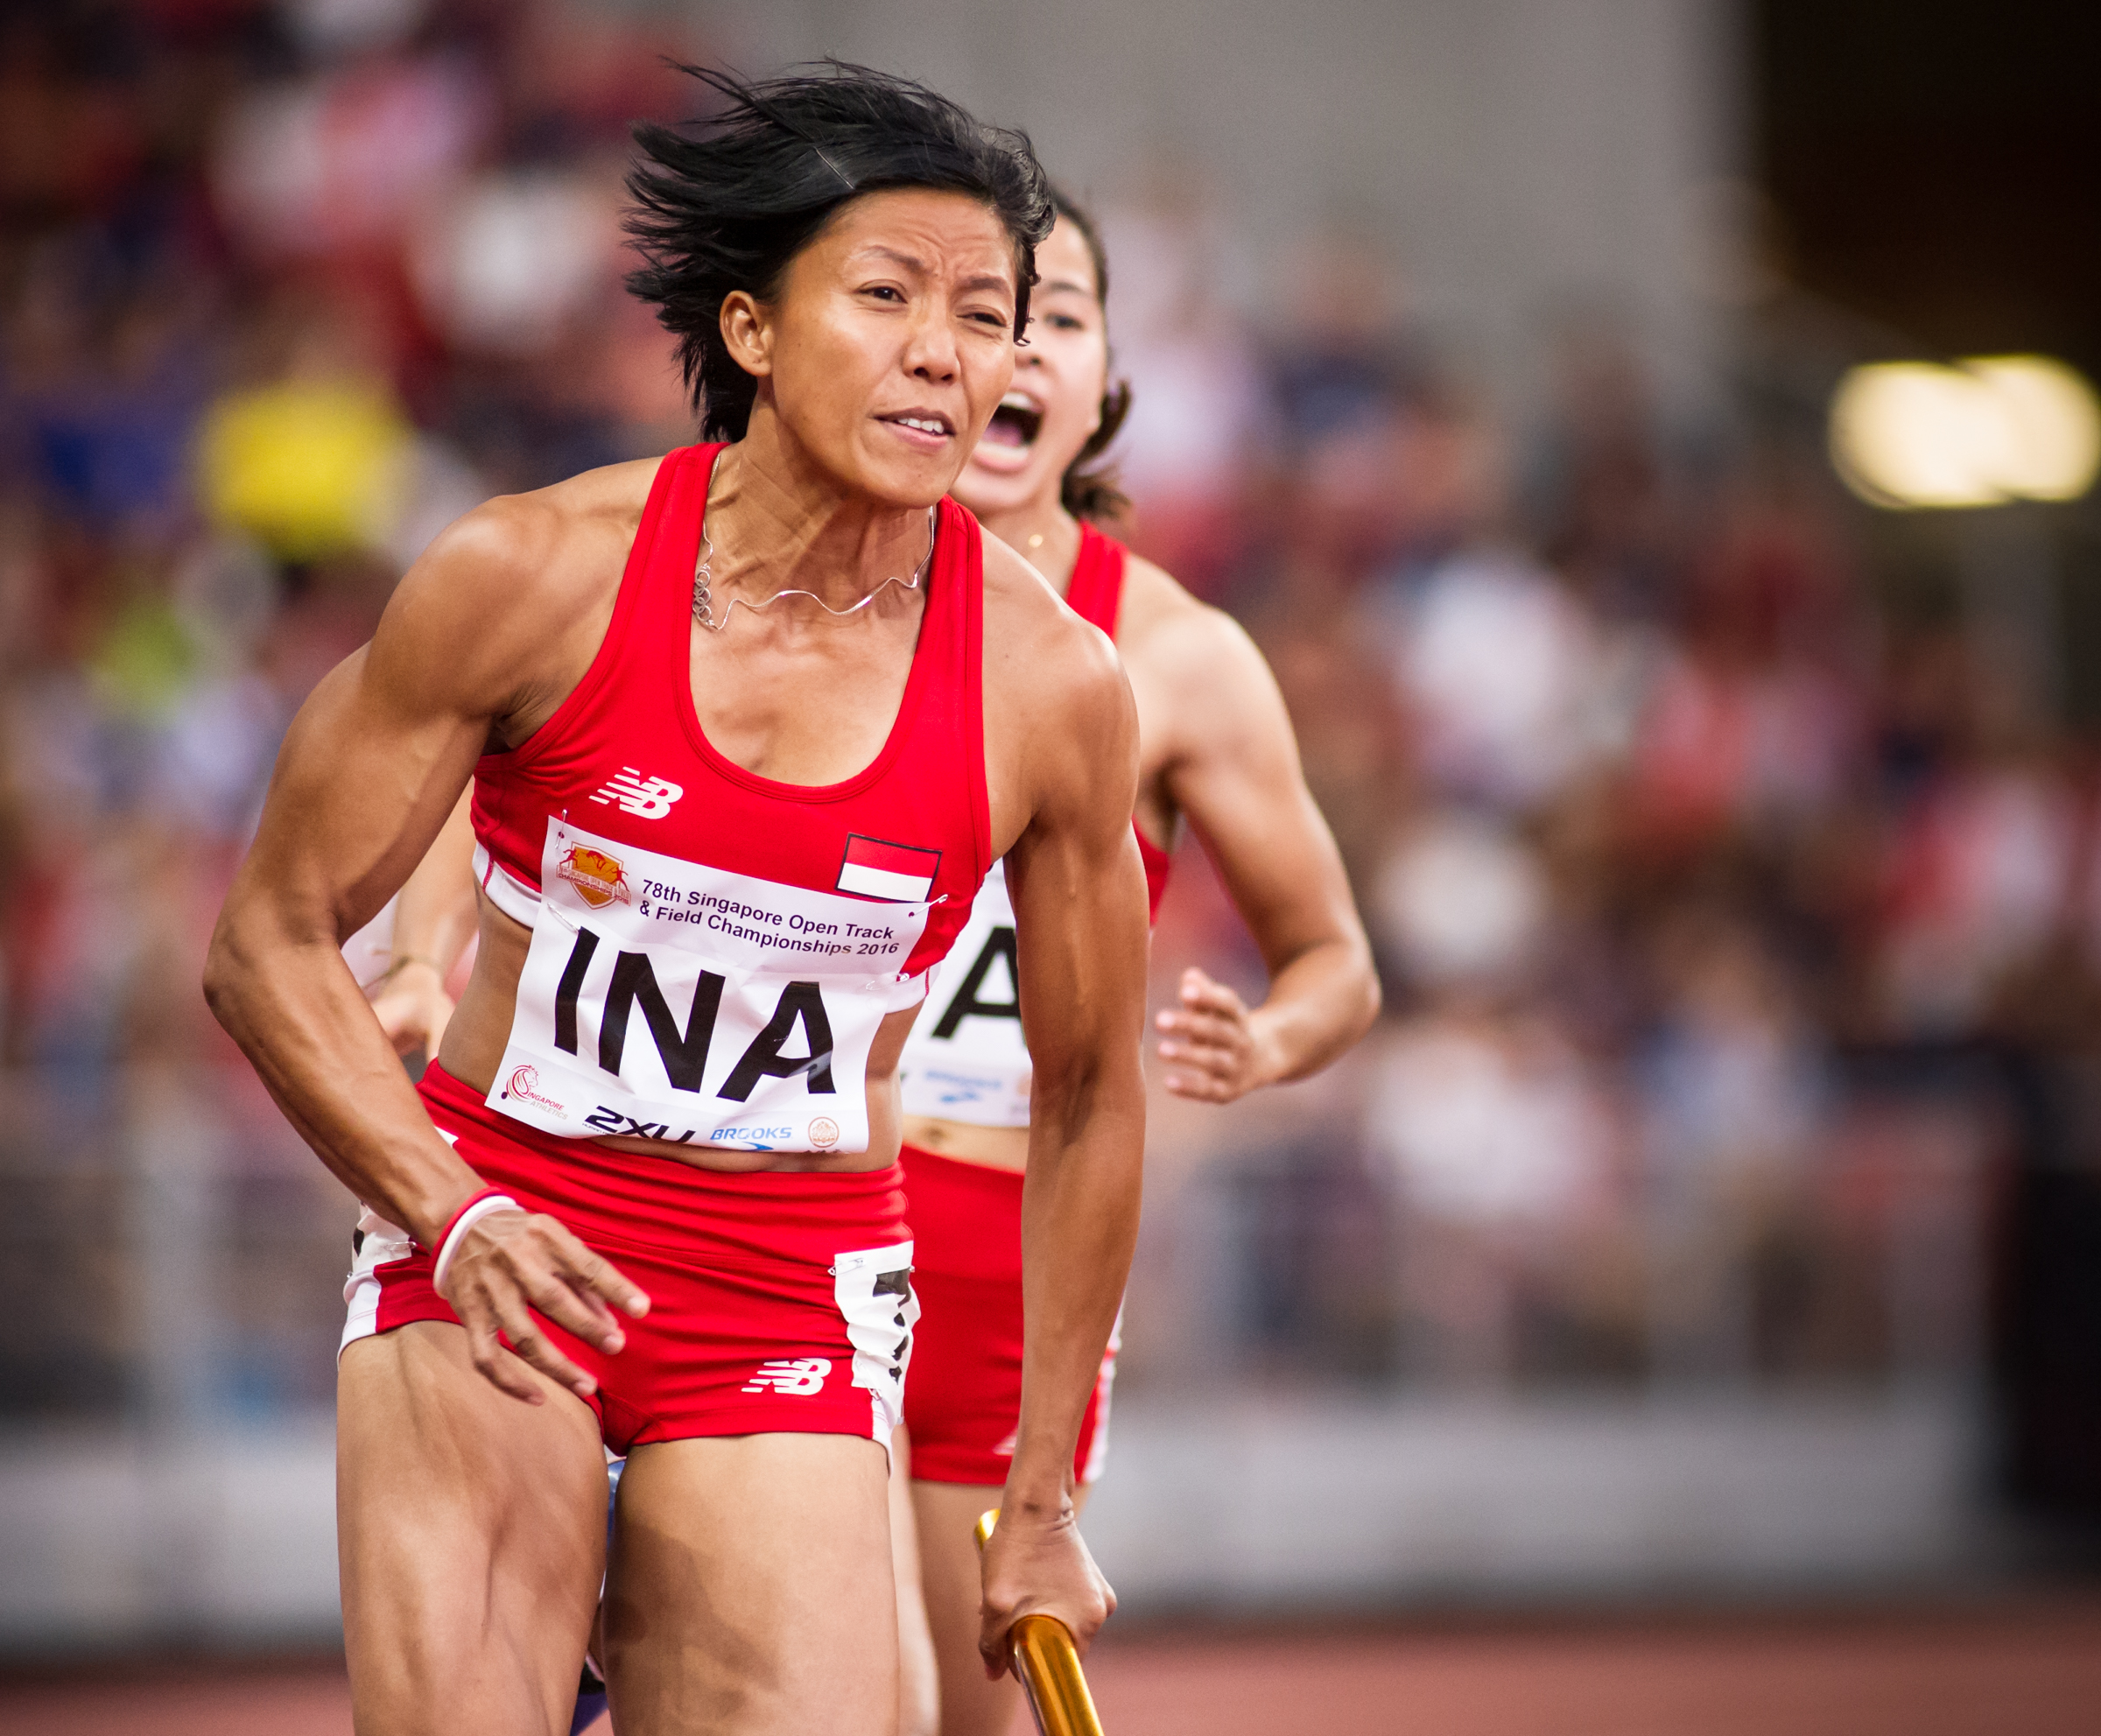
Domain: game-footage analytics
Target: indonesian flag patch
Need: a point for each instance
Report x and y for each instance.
(897, 872)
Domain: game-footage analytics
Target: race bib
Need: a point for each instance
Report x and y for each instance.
(966, 1059)
(663, 1000)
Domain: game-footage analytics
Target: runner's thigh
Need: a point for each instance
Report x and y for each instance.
(947, 1514)
(472, 1535)
(752, 1590)
(918, 1676)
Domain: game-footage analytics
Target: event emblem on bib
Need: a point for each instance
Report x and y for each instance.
(596, 876)
(663, 1000)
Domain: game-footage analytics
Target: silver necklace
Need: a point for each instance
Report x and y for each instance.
(703, 604)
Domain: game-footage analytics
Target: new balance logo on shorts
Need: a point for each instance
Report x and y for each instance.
(798, 1378)
(645, 797)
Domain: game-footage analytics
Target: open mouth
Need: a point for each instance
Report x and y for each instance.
(1016, 422)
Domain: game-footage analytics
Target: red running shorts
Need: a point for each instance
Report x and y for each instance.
(963, 1403)
(779, 1302)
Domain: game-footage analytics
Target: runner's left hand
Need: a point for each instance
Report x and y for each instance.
(1214, 1049)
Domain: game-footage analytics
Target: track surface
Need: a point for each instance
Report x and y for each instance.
(2035, 1672)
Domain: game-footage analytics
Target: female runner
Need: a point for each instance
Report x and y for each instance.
(1216, 747)
(746, 726)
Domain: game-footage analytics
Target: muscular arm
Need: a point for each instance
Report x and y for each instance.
(434, 917)
(1079, 892)
(1234, 770)
(373, 764)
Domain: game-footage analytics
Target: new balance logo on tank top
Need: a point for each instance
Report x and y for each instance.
(967, 1059)
(713, 952)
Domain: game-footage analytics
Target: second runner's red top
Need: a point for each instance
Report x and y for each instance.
(966, 1059)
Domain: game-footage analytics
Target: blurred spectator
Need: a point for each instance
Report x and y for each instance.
(339, 162)
(1501, 673)
(1736, 1096)
(1463, 901)
(510, 263)
(1190, 443)
(1598, 480)
(313, 459)
(1348, 363)
(1499, 1142)
(1978, 879)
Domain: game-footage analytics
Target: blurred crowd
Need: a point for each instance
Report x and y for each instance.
(284, 289)
(287, 287)
(1737, 893)
(1700, 874)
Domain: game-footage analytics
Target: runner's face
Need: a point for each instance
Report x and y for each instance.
(892, 340)
(1055, 401)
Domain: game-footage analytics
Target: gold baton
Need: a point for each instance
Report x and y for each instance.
(1048, 1664)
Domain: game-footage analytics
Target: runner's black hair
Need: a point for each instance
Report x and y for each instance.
(1083, 493)
(726, 203)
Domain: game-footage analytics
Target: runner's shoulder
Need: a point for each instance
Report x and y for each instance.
(520, 581)
(1167, 635)
(556, 548)
(1029, 633)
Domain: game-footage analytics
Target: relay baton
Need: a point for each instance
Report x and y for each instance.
(1048, 1664)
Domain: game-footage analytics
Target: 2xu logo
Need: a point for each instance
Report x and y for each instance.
(684, 1051)
(799, 1378)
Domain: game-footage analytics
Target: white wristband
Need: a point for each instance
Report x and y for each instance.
(461, 1225)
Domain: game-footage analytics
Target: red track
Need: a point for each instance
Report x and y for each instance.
(2035, 1672)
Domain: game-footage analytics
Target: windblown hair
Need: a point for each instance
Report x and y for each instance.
(1084, 492)
(726, 203)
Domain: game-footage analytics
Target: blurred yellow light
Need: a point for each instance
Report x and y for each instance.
(2055, 421)
(1979, 433)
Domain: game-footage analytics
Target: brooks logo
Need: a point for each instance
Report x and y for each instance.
(645, 797)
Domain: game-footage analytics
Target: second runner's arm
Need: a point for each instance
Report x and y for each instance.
(371, 766)
(1079, 892)
(1234, 770)
(433, 920)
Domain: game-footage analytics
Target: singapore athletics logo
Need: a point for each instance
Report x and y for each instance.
(523, 1084)
(596, 876)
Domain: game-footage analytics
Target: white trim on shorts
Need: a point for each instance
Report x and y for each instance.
(1098, 1449)
(379, 1243)
(879, 1325)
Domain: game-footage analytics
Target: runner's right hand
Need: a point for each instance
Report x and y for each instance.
(1038, 1564)
(510, 1265)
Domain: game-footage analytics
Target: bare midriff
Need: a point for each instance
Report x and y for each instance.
(1007, 1148)
(967, 1142)
(473, 1049)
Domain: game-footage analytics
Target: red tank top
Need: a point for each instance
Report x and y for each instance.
(1096, 595)
(754, 926)
(967, 1059)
